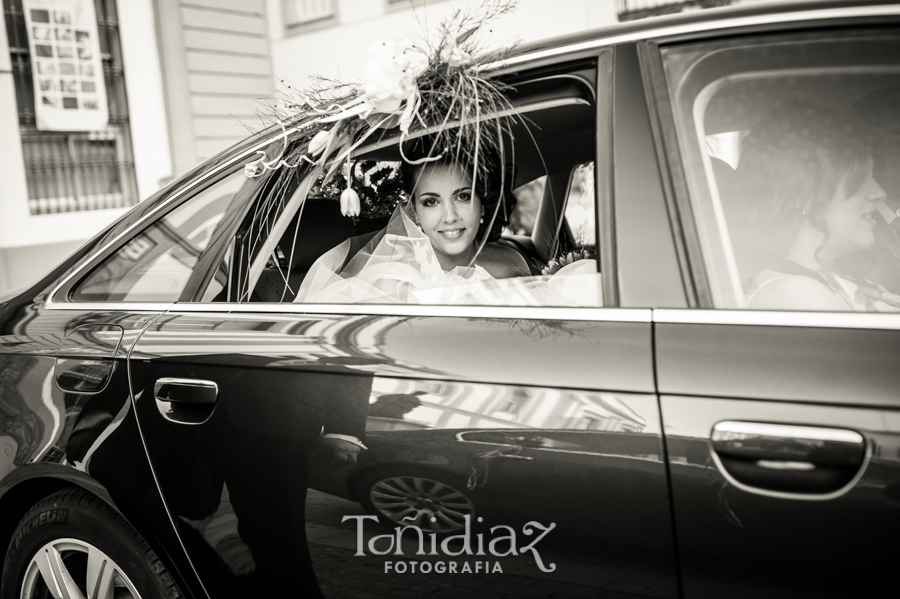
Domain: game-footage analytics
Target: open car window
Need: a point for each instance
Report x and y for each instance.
(791, 145)
(552, 152)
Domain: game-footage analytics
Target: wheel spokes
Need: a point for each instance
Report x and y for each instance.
(56, 575)
(379, 491)
(66, 566)
(100, 575)
(427, 503)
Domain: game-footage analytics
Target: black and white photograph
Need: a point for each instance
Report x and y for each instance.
(62, 17)
(43, 50)
(48, 85)
(45, 67)
(42, 33)
(450, 299)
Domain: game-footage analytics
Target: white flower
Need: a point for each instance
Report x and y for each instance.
(390, 75)
(252, 170)
(318, 142)
(453, 55)
(349, 202)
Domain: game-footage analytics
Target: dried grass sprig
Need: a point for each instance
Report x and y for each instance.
(458, 112)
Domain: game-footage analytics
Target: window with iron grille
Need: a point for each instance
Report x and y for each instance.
(75, 171)
(302, 12)
(629, 10)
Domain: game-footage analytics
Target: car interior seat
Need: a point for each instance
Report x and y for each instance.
(321, 227)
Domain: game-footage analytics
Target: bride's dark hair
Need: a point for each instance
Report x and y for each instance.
(493, 187)
(792, 163)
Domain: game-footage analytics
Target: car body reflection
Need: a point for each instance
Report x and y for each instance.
(507, 454)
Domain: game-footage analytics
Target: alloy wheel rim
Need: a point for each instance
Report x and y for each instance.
(416, 501)
(75, 569)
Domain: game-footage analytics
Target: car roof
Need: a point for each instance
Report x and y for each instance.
(707, 19)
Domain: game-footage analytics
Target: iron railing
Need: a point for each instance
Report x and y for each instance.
(629, 10)
(74, 171)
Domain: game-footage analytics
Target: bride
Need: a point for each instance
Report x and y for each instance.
(439, 249)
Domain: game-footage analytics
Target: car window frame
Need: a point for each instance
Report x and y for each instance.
(216, 170)
(602, 86)
(600, 68)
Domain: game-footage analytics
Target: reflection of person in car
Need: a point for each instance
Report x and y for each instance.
(805, 175)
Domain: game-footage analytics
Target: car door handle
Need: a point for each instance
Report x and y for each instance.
(783, 458)
(185, 401)
(186, 390)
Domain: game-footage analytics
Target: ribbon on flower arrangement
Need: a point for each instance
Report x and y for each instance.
(404, 85)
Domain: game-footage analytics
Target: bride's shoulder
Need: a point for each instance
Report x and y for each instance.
(502, 262)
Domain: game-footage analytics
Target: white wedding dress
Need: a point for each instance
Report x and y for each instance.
(399, 266)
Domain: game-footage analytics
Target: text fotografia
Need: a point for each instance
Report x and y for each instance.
(502, 545)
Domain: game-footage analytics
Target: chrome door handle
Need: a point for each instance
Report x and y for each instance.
(185, 401)
(786, 458)
(186, 390)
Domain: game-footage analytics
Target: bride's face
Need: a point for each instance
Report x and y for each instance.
(448, 211)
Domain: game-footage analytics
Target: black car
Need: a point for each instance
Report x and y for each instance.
(716, 413)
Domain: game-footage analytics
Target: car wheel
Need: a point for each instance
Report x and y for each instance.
(434, 503)
(71, 544)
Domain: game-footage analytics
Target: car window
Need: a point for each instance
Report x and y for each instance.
(293, 236)
(791, 146)
(581, 207)
(155, 265)
(528, 197)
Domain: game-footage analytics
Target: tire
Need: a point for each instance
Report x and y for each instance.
(65, 533)
(393, 495)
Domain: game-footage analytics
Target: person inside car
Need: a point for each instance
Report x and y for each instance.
(805, 177)
(437, 249)
(456, 218)
(877, 109)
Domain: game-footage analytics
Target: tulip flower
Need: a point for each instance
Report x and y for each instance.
(453, 55)
(318, 142)
(349, 202)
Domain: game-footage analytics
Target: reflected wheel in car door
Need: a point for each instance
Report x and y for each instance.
(71, 544)
(433, 502)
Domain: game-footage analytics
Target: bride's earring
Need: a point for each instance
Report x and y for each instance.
(482, 220)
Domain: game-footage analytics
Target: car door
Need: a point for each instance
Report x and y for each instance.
(66, 392)
(781, 419)
(522, 444)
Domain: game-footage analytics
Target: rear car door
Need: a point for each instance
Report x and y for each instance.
(779, 398)
(512, 449)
